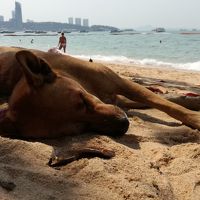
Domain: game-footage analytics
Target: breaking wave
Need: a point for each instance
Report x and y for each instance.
(147, 62)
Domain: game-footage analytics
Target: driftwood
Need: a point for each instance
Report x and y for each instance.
(185, 94)
(76, 154)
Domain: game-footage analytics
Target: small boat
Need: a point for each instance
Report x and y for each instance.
(29, 31)
(83, 31)
(190, 33)
(7, 31)
(159, 30)
(115, 31)
(123, 32)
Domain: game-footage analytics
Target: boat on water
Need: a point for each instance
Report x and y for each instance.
(83, 31)
(29, 31)
(123, 32)
(7, 31)
(159, 30)
(115, 31)
(190, 33)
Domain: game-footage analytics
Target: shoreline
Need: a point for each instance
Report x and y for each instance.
(128, 70)
(147, 62)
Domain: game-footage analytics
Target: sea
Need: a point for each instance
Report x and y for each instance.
(165, 49)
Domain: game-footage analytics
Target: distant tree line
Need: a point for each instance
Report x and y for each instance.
(52, 26)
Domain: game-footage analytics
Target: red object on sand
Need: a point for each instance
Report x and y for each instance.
(190, 94)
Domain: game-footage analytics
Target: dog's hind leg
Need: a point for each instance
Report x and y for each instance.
(136, 92)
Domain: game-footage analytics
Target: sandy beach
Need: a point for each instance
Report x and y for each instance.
(158, 158)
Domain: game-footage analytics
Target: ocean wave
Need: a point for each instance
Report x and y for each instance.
(189, 66)
(186, 66)
(147, 62)
(113, 59)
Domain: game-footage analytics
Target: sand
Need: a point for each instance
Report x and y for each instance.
(158, 158)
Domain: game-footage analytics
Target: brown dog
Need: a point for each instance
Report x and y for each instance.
(52, 95)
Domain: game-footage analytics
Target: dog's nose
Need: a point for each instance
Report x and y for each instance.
(123, 125)
(119, 127)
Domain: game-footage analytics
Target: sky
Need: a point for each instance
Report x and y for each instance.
(118, 13)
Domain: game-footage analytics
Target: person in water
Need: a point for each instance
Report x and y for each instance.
(62, 42)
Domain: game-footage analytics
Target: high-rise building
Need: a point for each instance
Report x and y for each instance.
(13, 14)
(85, 22)
(18, 15)
(1, 18)
(70, 20)
(78, 21)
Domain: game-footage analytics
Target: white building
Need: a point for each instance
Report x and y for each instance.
(1, 18)
(13, 14)
(78, 21)
(71, 20)
(85, 22)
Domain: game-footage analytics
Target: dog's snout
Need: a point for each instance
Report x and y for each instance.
(124, 121)
(123, 124)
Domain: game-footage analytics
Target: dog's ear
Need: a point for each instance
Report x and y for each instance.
(36, 70)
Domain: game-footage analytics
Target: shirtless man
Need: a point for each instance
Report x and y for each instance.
(62, 42)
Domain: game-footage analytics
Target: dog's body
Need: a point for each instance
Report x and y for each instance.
(80, 96)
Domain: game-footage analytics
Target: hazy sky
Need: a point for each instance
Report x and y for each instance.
(119, 13)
